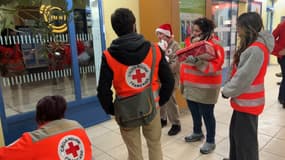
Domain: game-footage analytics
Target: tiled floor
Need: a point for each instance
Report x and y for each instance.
(108, 144)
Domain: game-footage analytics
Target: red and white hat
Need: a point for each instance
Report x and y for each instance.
(165, 29)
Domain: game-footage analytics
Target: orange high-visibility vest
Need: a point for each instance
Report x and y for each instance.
(209, 77)
(252, 101)
(131, 80)
(69, 141)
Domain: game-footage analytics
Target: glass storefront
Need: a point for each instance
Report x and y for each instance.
(36, 54)
(224, 14)
(46, 49)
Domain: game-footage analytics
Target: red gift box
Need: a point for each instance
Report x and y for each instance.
(202, 49)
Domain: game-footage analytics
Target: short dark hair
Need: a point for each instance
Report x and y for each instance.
(50, 108)
(123, 21)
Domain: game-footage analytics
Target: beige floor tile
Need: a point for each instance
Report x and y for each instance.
(110, 124)
(276, 119)
(269, 156)
(97, 152)
(120, 152)
(222, 148)
(263, 140)
(107, 141)
(281, 134)
(165, 139)
(276, 146)
(212, 156)
(267, 129)
(181, 151)
(96, 131)
(104, 157)
(222, 129)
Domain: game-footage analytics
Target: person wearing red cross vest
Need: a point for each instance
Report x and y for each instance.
(127, 64)
(201, 80)
(245, 85)
(56, 138)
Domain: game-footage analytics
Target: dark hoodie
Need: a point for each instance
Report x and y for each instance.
(131, 49)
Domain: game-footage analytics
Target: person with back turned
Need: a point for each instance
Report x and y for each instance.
(128, 64)
(56, 137)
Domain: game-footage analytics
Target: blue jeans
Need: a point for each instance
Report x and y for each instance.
(281, 96)
(199, 110)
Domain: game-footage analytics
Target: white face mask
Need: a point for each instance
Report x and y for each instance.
(163, 44)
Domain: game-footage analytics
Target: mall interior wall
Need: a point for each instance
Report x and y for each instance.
(109, 6)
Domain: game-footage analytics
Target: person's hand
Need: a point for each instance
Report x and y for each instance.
(195, 39)
(225, 97)
(191, 59)
(162, 44)
(167, 58)
(282, 52)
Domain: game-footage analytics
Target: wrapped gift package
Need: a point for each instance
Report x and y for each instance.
(202, 49)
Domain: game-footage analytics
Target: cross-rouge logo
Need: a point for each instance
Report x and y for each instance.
(71, 148)
(138, 76)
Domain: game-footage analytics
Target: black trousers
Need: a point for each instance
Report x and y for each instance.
(281, 95)
(243, 136)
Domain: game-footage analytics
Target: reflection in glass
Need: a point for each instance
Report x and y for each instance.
(34, 64)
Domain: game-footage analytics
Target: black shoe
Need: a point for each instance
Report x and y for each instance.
(278, 74)
(174, 130)
(278, 83)
(226, 159)
(163, 123)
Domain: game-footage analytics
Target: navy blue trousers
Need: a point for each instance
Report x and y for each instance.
(199, 110)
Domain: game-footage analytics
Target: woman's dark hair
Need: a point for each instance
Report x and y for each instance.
(123, 21)
(50, 108)
(250, 24)
(206, 26)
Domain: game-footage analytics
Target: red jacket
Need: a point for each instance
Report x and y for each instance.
(253, 100)
(279, 35)
(59, 139)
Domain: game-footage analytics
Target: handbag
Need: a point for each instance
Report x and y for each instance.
(139, 109)
(202, 49)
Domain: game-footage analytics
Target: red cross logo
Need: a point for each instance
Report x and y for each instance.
(72, 149)
(138, 76)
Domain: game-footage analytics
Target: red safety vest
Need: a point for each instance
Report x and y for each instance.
(209, 77)
(131, 80)
(47, 144)
(252, 101)
(187, 41)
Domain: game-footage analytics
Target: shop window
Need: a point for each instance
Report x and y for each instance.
(36, 59)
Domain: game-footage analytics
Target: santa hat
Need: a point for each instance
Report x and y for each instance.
(165, 29)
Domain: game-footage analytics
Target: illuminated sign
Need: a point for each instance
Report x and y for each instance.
(55, 17)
